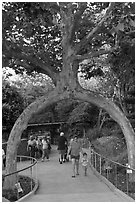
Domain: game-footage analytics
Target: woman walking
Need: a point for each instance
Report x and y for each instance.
(74, 151)
(45, 149)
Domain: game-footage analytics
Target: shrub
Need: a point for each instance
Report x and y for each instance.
(12, 195)
(93, 134)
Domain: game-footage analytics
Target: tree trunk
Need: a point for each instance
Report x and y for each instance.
(116, 114)
(102, 122)
(99, 118)
(18, 128)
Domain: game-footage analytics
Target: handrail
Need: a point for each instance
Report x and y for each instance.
(112, 160)
(28, 157)
(30, 171)
(122, 178)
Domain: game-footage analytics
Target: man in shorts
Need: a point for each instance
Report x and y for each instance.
(74, 151)
(62, 147)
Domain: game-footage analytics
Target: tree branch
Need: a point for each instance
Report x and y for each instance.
(31, 61)
(77, 17)
(94, 30)
(93, 54)
(106, 15)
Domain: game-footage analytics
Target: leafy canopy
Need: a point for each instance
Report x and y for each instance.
(32, 34)
(12, 104)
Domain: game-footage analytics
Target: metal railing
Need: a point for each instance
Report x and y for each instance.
(26, 168)
(122, 177)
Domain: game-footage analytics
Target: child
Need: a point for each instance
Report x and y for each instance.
(85, 163)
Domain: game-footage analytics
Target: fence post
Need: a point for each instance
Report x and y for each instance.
(36, 172)
(127, 181)
(31, 178)
(116, 175)
(31, 173)
(95, 161)
(100, 165)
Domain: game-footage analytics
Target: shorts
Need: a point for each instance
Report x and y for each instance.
(75, 157)
(62, 151)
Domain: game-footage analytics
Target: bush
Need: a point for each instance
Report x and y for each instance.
(93, 134)
(12, 194)
(12, 104)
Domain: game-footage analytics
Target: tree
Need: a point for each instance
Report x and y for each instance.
(12, 104)
(123, 65)
(31, 86)
(83, 113)
(53, 38)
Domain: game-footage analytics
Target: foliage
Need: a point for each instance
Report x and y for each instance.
(30, 86)
(31, 28)
(111, 147)
(116, 70)
(35, 31)
(28, 28)
(83, 113)
(93, 134)
(64, 108)
(54, 38)
(12, 104)
(12, 194)
(123, 65)
(47, 115)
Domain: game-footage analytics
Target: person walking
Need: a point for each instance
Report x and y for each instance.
(45, 149)
(31, 147)
(85, 163)
(62, 147)
(74, 151)
(49, 142)
(39, 146)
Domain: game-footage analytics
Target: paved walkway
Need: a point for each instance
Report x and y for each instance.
(57, 185)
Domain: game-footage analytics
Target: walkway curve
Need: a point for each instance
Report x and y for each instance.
(57, 185)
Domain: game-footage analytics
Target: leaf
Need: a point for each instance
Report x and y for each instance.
(113, 31)
(120, 26)
(132, 23)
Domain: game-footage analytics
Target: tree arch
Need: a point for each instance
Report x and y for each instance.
(76, 46)
(53, 97)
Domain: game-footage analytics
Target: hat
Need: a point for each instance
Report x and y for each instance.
(62, 133)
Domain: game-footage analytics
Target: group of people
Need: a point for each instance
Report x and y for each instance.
(73, 149)
(39, 147)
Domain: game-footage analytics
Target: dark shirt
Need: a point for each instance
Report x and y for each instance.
(61, 143)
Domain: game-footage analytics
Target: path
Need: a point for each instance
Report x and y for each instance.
(57, 185)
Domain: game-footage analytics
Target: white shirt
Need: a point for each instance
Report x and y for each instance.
(3, 153)
(84, 162)
(45, 144)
